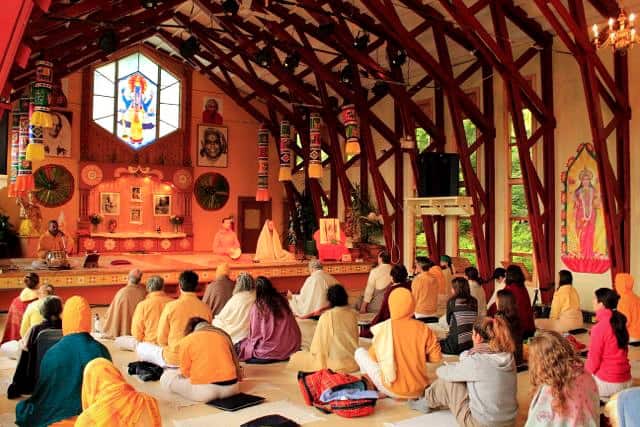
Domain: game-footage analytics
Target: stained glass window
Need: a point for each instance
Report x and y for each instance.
(136, 100)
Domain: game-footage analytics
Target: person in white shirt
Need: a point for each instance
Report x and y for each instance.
(477, 291)
(312, 299)
(379, 279)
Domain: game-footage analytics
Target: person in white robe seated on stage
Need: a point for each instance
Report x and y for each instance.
(53, 240)
(226, 241)
(144, 325)
(269, 247)
(234, 316)
(120, 313)
(377, 283)
(312, 299)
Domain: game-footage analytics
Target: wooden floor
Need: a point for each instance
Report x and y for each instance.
(273, 382)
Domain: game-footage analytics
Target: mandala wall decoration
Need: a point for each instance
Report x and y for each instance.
(211, 191)
(54, 185)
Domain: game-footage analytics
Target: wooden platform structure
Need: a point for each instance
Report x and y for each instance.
(99, 285)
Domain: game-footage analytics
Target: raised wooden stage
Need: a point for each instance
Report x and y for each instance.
(99, 285)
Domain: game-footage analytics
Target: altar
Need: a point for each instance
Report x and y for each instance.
(131, 241)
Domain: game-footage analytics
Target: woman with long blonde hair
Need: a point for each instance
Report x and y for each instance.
(565, 393)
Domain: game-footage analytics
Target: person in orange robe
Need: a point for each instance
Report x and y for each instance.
(18, 306)
(629, 304)
(53, 240)
(226, 241)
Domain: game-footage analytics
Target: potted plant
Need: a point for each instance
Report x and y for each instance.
(9, 239)
(291, 239)
(95, 220)
(365, 225)
(177, 221)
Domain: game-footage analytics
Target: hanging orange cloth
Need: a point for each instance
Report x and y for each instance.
(108, 400)
(629, 303)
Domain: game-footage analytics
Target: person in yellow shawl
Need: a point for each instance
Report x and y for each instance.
(335, 339)
(565, 307)
(108, 400)
(269, 247)
(396, 362)
(629, 304)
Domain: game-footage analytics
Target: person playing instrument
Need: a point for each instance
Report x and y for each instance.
(53, 240)
(226, 241)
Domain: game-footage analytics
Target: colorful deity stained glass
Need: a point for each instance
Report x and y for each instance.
(136, 100)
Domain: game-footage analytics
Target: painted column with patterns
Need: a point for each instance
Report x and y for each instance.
(285, 151)
(262, 193)
(39, 111)
(15, 149)
(24, 180)
(315, 149)
(352, 129)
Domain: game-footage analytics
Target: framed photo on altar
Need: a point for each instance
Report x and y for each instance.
(136, 194)
(329, 231)
(161, 205)
(212, 146)
(110, 203)
(135, 215)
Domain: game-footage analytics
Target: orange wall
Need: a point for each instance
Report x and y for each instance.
(241, 171)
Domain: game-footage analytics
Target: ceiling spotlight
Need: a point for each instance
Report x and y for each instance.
(149, 4)
(263, 57)
(326, 29)
(189, 47)
(230, 6)
(361, 41)
(380, 88)
(346, 74)
(292, 61)
(108, 41)
(397, 57)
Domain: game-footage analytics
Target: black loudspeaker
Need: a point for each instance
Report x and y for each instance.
(438, 174)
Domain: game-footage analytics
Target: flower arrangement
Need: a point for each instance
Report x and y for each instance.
(176, 219)
(95, 219)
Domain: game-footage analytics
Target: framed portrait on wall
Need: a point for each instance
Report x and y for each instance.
(213, 146)
(161, 204)
(212, 110)
(135, 215)
(136, 194)
(57, 139)
(110, 203)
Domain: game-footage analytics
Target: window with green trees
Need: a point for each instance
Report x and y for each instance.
(466, 244)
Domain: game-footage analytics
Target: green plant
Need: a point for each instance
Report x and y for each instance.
(9, 236)
(176, 219)
(95, 219)
(364, 222)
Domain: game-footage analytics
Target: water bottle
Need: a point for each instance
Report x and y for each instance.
(97, 326)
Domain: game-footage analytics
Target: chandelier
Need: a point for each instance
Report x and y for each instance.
(621, 32)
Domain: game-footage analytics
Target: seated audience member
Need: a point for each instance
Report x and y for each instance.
(16, 311)
(57, 393)
(219, 291)
(32, 315)
(565, 393)
(424, 288)
(629, 305)
(480, 390)
(173, 321)
(234, 317)
(274, 334)
(399, 277)
(508, 311)
(377, 282)
(209, 367)
(120, 313)
(144, 325)
(444, 285)
(312, 300)
(499, 282)
(462, 313)
(477, 291)
(269, 246)
(335, 339)
(24, 378)
(622, 409)
(514, 278)
(608, 356)
(108, 400)
(565, 307)
(396, 362)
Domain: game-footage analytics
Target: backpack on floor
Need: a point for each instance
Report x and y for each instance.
(314, 384)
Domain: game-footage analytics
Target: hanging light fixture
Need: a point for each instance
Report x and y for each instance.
(263, 57)
(291, 62)
(621, 32)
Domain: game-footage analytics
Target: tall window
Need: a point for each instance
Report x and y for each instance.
(518, 238)
(136, 100)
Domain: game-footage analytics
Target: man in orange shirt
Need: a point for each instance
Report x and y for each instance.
(173, 321)
(424, 289)
(53, 240)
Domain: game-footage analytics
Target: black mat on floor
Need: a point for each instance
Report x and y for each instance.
(635, 344)
(255, 361)
(522, 368)
(578, 331)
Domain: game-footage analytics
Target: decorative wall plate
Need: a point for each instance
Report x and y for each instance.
(91, 175)
(54, 185)
(182, 179)
(211, 190)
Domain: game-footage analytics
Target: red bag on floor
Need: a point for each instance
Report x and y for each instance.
(313, 384)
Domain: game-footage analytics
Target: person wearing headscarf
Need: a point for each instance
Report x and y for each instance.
(335, 339)
(209, 366)
(32, 315)
(396, 362)
(234, 316)
(269, 247)
(220, 290)
(565, 307)
(24, 379)
(377, 282)
(629, 304)
(312, 299)
(57, 394)
(16, 311)
(120, 313)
